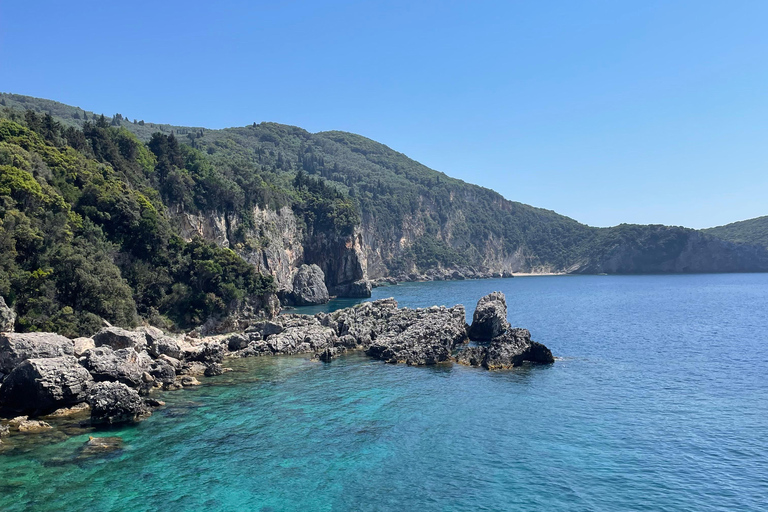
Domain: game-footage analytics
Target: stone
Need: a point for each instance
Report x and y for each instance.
(70, 411)
(512, 348)
(33, 426)
(153, 402)
(7, 317)
(164, 346)
(358, 289)
(188, 380)
(421, 336)
(206, 353)
(96, 446)
(117, 338)
(162, 372)
(114, 402)
(213, 370)
(16, 347)
(42, 385)
(5, 430)
(309, 287)
(82, 345)
(237, 342)
(490, 317)
(124, 365)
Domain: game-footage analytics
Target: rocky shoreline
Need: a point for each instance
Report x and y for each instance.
(111, 376)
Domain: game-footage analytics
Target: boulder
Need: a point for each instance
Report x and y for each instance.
(421, 336)
(163, 345)
(237, 342)
(82, 345)
(70, 411)
(309, 286)
(42, 385)
(114, 402)
(213, 370)
(124, 365)
(206, 353)
(357, 289)
(117, 338)
(188, 380)
(16, 347)
(490, 317)
(7, 317)
(512, 348)
(162, 372)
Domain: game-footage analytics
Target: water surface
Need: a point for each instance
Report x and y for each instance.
(658, 401)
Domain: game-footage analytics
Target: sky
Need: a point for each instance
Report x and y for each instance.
(608, 112)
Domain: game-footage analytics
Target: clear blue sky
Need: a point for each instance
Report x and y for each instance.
(607, 111)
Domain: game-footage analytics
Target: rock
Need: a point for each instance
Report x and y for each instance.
(512, 348)
(5, 430)
(33, 426)
(114, 402)
(206, 353)
(357, 289)
(188, 380)
(7, 317)
(237, 342)
(162, 372)
(330, 353)
(268, 328)
(82, 345)
(490, 317)
(70, 411)
(42, 385)
(421, 336)
(172, 362)
(96, 446)
(16, 347)
(124, 365)
(117, 338)
(213, 370)
(153, 402)
(309, 286)
(163, 345)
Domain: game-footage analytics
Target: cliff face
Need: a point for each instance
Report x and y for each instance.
(276, 244)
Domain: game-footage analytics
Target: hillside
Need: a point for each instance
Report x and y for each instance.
(751, 231)
(103, 217)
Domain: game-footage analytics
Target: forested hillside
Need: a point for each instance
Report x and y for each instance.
(752, 231)
(121, 219)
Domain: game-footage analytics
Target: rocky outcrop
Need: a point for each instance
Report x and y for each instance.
(42, 385)
(82, 345)
(16, 347)
(117, 338)
(114, 402)
(7, 317)
(124, 365)
(512, 348)
(421, 336)
(357, 289)
(490, 317)
(309, 287)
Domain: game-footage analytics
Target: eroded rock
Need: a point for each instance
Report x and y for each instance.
(114, 402)
(490, 317)
(117, 338)
(16, 347)
(309, 286)
(7, 317)
(42, 385)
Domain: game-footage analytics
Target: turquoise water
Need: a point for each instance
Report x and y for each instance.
(659, 401)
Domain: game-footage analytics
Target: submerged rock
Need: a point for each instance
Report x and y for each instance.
(114, 402)
(96, 446)
(70, 411)
(309, 286)
(7, 317)
(42, 385)
(16, 347)
(490, 317)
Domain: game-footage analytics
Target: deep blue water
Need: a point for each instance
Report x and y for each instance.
(658, 401)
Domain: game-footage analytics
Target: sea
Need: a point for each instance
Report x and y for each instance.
(658, 401)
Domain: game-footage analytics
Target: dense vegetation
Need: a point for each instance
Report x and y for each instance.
(84, 234)
(752, 231)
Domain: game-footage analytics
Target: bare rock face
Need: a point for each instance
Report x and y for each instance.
(490, 317)
(512, 348)
(16, 347)
(163, 345)
(421, 336)
(82, 345)
(357, 289)
(117, 338)
(309, 286)
(7, 317)
(43, 385)
(124, 365)
(114, 402)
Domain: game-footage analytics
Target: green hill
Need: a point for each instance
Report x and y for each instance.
(752, 231)
(106, 217)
